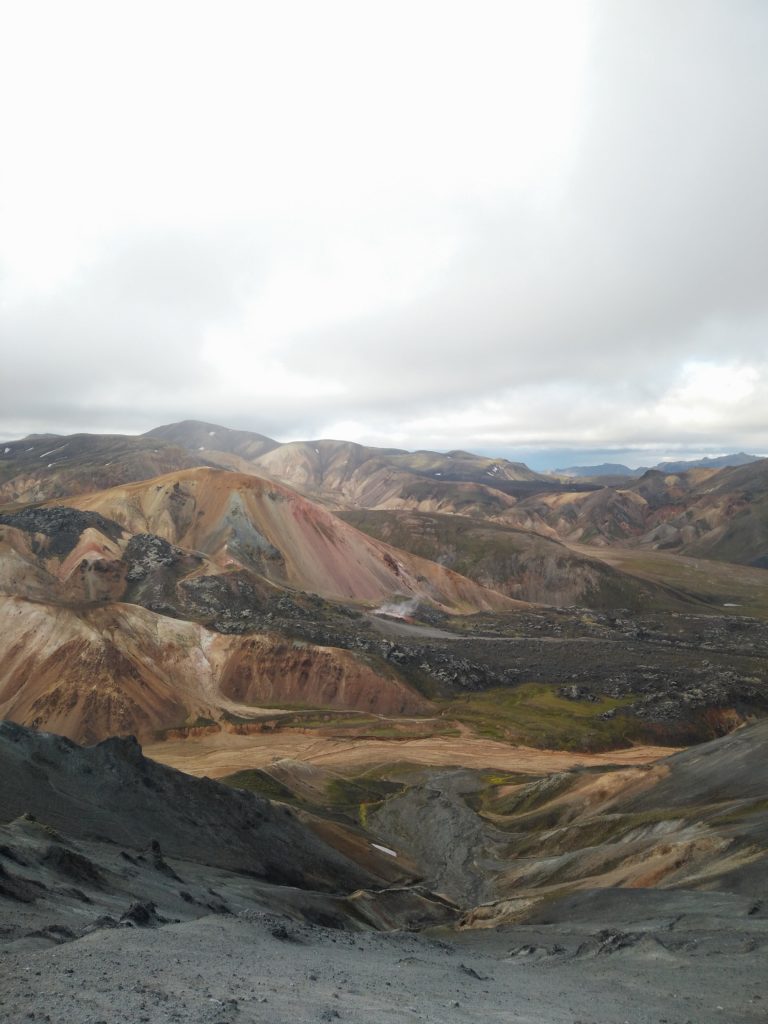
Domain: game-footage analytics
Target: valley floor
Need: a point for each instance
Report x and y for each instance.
(222, 754)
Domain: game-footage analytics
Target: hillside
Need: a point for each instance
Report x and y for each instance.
(243, 521)
(618, 887)
(51, 467)
(342, 474)
(712, 513)
(519, 563)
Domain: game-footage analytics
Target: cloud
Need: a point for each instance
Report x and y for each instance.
(494, 225)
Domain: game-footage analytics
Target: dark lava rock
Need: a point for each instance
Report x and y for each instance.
(146, 552)
(72, 864)
(229, 603)
(142, 915)
(23, 890)
(158, 861)
(61, 525)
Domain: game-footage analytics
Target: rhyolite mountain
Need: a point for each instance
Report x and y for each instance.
(152, 604)
(714, 513)
(519, 563)
(141, 602)
(669, 506)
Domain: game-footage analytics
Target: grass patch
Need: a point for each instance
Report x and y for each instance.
(358, 796)
(535, 715)
(721, 588)
(259, 782)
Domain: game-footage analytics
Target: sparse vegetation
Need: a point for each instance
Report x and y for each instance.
(534, 714)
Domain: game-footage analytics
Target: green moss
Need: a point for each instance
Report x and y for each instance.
(534, 714)
(257, 781)
(360, 795)
(736, 815)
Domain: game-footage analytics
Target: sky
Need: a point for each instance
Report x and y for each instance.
(528, 228)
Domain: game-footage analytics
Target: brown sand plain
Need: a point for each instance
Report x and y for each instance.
(222, 754)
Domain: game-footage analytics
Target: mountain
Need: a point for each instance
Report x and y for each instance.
(217, 441)
(206, 598)
(515, 562)
(342, 474)
(116, 669)
(719, 462)
(708, 512)
(49, 467)
(723, 515)
(85, 833)
(245, 522)
(617, 469)
(339, 474)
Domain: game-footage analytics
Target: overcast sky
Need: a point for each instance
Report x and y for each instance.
(502, 226)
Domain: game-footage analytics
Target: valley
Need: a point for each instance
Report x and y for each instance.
(422, 705)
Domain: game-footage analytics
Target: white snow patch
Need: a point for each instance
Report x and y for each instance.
(730, 604)
(6, 451)
(51, 452)
(438, 474)
(317, 450)
(201, 449)
(211, 433)
(384, 849)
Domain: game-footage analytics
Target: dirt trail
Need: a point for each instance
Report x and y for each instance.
(222, 754)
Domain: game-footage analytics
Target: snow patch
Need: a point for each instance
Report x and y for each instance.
(384, 849)
(211, 433)
(6, 451)
(52, 451)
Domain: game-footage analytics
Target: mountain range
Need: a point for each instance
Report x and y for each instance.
(441, 697)
(196, 573)
(617, 469)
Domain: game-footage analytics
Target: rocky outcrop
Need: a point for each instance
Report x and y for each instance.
(61, 527)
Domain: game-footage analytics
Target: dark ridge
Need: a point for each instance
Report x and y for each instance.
(111, 792)
(62, 525)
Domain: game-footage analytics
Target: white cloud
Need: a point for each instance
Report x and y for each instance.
(454, 224)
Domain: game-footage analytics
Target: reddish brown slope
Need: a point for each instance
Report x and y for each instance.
(241, 520)
(123, 669)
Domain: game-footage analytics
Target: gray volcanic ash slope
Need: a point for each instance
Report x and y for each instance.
(132, 892)
(86, 832)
